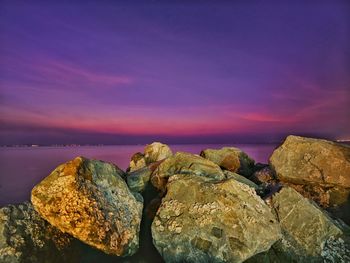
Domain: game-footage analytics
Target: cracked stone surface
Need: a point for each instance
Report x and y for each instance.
(306, 229)
(89, 200)
(230, 158)
(203, 220)
(322, 166)
(26, 237)
(185, 163)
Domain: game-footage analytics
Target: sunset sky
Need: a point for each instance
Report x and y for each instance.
(116, 72)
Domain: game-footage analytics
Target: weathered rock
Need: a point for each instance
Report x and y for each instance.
(203, 220)
(264, 175)
(157, 151)
(89, 200)
(239, 178)
(230, 158)
(184, 163)
(139, 179)
(137, 162)
(26, 237)
(306, 229)
(323, 166)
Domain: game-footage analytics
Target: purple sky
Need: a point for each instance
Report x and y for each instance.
(112, 72)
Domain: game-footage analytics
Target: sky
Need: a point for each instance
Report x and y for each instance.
(129, 72)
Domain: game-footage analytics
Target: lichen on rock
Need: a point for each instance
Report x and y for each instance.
(26, 237)
(205, 220)
(90, 200)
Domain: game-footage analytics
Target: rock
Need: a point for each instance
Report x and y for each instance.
(184, 163)
(240, 179)
(139, 179)
(264, 175)
(230, 158)
(306, 229)
(318, 169)
(89, 200)
(137, 162)
(203, 220)
(26, 237)
(157, 151)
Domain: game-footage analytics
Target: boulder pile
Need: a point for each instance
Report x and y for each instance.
(218, 206)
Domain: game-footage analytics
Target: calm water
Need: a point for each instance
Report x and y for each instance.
(22, 168)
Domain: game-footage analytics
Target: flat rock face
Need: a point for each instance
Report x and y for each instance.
(157, 151)
(26, 237)
(185, 163)
(230, 158)
(89, 200)
(305, 227)
(305, 160)
(202, 220)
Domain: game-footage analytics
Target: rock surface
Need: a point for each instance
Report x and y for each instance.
(202, 220)
(230, 158)
(26, 237)
(306, 229)
(137, 162)
(264, 175)
(184, 163)
(89, 200)
(240, 179)
(322, 166)
(156, 152)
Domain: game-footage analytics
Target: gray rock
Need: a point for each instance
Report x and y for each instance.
(203, 220)
(26, 237)
(89, 200)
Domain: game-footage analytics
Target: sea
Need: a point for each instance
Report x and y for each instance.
(21, 168)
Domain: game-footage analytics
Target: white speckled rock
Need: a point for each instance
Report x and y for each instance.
(89, 200)
(26, 237)
(203, 220)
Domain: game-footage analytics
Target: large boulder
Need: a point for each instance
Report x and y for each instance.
(26, 237)
(230, 158)
(309, 234)
(318, 169)
(89, 200)
(184, 163)
(156, 151)
(203, 220)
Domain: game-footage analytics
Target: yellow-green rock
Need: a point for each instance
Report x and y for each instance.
(318, 169)
(89, 200)
(205, 220)
(185, 163)
(230, 158)
(306, 230)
